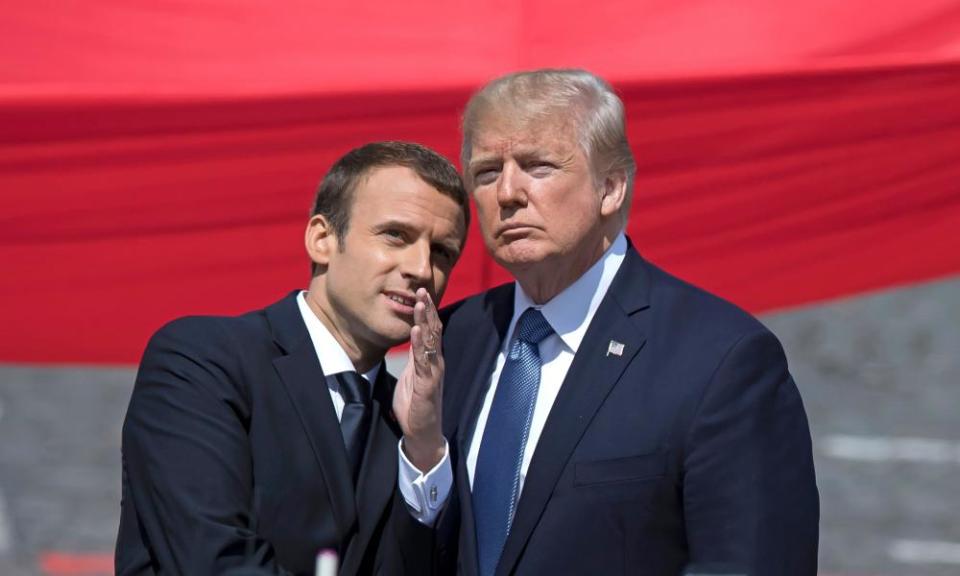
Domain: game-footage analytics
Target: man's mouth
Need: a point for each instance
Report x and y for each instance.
(402, 299)
(403, 303)
(514, 230)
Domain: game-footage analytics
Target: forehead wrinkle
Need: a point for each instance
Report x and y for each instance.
(525, 145)
(523, 136)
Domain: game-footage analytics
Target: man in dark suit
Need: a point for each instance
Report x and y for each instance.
(609, 418)
(259, 440)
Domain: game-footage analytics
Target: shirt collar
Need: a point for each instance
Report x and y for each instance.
(570, 312)
(333, 359)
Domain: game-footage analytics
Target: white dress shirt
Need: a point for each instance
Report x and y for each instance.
(425, 494)
(569, 314)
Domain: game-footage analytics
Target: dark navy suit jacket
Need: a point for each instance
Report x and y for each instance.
(233, 455)
(690, 450)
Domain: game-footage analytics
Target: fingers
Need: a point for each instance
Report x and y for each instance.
(420, 366)
(429, 321)
(425, 336)
(424, 358)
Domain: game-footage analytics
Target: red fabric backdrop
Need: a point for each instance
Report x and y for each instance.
(159, 159)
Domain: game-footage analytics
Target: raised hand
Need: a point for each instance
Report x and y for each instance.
(417, 400)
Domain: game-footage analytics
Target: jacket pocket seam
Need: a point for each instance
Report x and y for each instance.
(645, 467)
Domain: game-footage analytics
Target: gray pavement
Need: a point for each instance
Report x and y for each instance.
(880, 377)
(875, 372)
(59, 461)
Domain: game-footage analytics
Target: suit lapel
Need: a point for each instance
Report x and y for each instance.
(480, 358)
(302, 376)
(592, 375)
(376, 483)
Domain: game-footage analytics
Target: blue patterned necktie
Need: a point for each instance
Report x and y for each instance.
(496, 480)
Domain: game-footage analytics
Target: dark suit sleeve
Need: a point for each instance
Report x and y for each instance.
(750, 497)
(416, 543)
(447, 534)
(423, 549)
(186, 453)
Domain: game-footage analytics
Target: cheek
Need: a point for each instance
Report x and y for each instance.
(579, 203)
(440, 276)
(488, 220)
(571, 223)
(485, 200)
(374, 258)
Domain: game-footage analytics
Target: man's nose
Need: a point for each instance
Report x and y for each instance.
(416, 264)
(511, 189)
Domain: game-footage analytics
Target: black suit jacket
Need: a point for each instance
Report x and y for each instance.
(689, 450)
(233, 455)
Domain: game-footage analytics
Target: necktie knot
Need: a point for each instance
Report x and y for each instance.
(354, 388)
(533, 327)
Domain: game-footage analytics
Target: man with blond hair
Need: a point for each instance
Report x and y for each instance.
(609, 418)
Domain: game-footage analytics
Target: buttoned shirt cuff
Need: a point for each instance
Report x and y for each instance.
(425, 494)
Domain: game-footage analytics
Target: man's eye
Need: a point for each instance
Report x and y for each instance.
(485, 177)
(540, 168)
(393, 234)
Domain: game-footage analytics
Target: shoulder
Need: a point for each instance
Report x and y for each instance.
(210, 334)
(211, 349)
(727, 357)
(693, 316)
(202, 361)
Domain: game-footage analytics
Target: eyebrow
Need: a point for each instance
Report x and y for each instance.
(393, 222)
(521, 153)
(484, 162)
(454, 242)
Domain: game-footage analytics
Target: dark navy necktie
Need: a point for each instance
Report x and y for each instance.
(496, 480)
(357, 396)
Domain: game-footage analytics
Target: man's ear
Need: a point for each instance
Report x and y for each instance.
(320, 240)
(614, 192)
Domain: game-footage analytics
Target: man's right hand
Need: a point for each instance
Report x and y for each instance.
(417, 401)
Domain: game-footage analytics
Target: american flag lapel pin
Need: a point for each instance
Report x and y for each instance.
(615, 348)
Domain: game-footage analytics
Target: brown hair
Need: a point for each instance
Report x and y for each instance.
(334, 198)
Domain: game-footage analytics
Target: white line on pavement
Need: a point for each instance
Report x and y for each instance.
(887, 449)
(6, 539)
(925, 552)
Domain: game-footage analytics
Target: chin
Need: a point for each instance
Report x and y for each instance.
(396, 333)
(519, 257)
